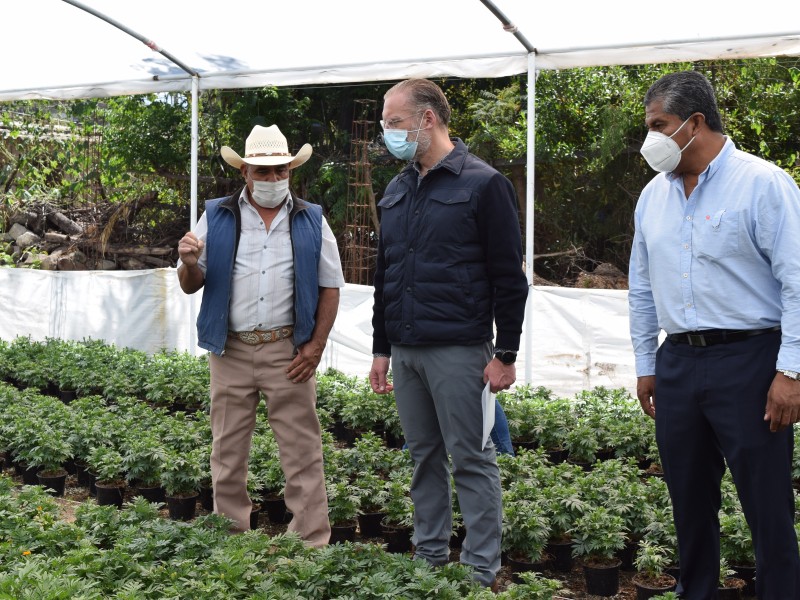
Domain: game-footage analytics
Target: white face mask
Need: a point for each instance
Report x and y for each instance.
(269, 194)
(661, 152)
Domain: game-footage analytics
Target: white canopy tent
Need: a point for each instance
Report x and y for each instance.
(58, 49)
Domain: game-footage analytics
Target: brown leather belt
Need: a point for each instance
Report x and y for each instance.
(256, 337)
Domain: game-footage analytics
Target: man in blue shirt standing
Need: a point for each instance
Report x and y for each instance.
(715, 264)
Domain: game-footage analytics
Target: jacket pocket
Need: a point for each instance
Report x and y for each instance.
(451, 196)
(389, 200)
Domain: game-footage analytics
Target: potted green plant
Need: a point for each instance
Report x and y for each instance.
(526, 531)
(371, 491)
(534, 586)
(730, 586)
(255, 484)
(736, 547)
(143, 460)
(564, 504)
(598, 535)
(108, 467)
(650, 579)
(181, 480)
(398, 520)
(343, 502)
(48, 458)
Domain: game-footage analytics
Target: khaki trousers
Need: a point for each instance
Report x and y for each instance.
(236, 379)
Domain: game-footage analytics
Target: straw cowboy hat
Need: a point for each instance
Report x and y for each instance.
(266, 146)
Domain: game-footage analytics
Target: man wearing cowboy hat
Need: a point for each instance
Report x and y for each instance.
(271, 274)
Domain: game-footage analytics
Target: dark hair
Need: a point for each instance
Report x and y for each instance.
(685, 93)
(425, 94)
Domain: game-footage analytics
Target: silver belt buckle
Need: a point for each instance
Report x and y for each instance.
(696, 339)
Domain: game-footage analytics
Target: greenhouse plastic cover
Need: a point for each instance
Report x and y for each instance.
(580, 336)
(55, 49)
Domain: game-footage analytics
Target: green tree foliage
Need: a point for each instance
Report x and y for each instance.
(134, 152)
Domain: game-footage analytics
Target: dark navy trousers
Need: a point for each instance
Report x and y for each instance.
(710, 405)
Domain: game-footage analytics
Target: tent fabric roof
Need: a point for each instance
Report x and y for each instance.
(52, 49)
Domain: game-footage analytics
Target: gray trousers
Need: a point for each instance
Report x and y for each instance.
(438, 394)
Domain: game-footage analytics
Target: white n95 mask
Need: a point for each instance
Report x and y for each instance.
(661, 152)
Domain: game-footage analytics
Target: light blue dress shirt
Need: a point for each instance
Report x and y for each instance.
(728, 257)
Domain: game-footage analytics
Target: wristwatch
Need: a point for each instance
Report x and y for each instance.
(790, 374)
(507, 357)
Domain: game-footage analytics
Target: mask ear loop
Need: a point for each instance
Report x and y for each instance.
(681, 127)
(419, 127)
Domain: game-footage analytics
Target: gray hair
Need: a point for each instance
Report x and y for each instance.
(425, 94)
(685, 93)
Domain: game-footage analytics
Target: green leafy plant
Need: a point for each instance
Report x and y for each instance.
(598, 534)
(397, 504)
(107, 464)
(526, 529)
(736, 543)
(182, 473)
(343, 502)
(371, 491)
(650, 562)
(533, 587)
(144, 460)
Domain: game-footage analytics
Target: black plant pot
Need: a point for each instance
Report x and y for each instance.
(67, 396)
(626, 555)
(557, 455)
(393, 441)
(182, 508)
(602, 580)
(276, 510)
(343, 532)
(457, 538)
(55, 482)
(747, 573)
(29, 475)
(732, 590)
(110, 494)
(369, 524)
(255, 513)
(561, 559)
(645, 591)
(69, 466)
(151, 493)
(518, 565)
(398, 539)
(207, 497)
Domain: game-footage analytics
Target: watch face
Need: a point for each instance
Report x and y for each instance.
(507, 358)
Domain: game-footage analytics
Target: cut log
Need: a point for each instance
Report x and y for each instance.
(64, 223)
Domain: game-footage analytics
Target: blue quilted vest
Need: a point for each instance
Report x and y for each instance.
(224, 228)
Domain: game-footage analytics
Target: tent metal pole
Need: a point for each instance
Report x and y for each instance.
(529, 186)
(146, 41)
(193, 195)
(195, 142)
(508, 25)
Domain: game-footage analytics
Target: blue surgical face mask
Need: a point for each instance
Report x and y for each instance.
(397, 143)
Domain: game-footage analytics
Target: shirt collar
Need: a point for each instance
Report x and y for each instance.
(714, 166)
(453, 160)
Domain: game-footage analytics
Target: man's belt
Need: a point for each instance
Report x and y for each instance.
(710, 337)
(256, 337)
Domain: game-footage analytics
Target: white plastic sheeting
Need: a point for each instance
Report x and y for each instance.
(51, 49)
(580, 336)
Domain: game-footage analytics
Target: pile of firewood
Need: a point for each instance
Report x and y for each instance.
(41, 236)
